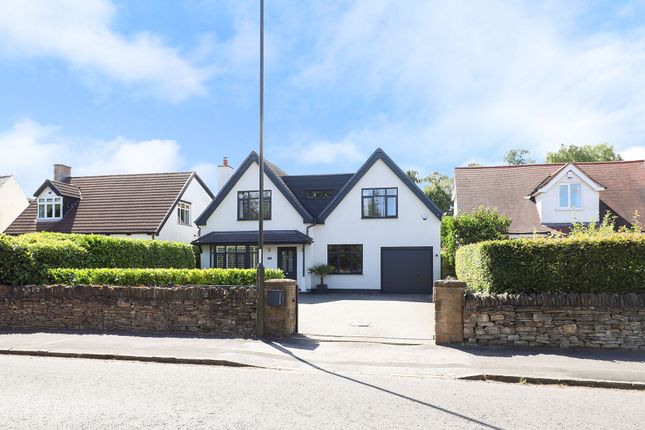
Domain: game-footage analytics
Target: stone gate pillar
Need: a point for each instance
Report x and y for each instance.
(449, 311)
(279, 308)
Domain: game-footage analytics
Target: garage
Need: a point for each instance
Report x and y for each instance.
(406, 270)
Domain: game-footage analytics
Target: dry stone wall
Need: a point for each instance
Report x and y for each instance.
(556, 320)
(210, 310)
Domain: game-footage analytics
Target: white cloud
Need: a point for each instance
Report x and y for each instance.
(472, 80)
(81, 33)
(633, 153)
(344, 152)
(30, 149)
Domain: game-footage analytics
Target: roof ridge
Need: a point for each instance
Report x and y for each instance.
(550, 164)
(188, 172)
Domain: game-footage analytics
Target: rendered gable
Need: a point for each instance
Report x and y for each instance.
(224, 217)
(547, 202)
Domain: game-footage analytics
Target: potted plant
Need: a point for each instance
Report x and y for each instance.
(321, 270)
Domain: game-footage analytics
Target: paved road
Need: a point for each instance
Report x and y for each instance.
(57, 393)
(385, 316)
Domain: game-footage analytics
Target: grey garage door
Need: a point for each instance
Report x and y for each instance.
(406, 270)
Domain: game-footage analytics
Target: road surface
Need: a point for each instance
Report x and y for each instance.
(63, 393)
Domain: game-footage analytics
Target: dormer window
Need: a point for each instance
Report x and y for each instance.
(570, 196)
(183, 213)
(50, 208)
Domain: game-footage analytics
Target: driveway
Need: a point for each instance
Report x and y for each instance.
(395, 317)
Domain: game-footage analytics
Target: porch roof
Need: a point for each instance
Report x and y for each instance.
(271, 237)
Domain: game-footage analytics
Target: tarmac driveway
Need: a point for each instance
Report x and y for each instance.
(395, 317)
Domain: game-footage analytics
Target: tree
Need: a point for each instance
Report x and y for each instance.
(576, 154)
(439, 189)
(414, 175)
(474, 164)
(482, 224)
(515, 157)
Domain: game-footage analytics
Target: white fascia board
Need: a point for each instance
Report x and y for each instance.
(575, 169)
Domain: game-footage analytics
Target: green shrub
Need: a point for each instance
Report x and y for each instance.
(92, 250)
(480, 225)
(134, 277)
(17, 266)
(589, 264)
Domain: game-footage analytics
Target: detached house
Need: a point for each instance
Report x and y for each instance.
(544, 198)
(375, 226)
(12, 201)
(143, 206)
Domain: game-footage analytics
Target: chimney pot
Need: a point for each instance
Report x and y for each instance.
(62, 172)
(226, 161)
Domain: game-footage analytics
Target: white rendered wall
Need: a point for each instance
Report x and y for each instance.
(547, 203)
(12, 202)
(345, 226)
(199, 199)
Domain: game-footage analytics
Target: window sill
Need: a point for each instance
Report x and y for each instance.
(569, 209)
(344, 274)
(379, 217)
(48, 219)
(252, 219)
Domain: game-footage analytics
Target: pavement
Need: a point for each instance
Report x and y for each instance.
(339, 355)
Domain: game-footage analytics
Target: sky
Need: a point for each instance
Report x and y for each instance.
(134, 86)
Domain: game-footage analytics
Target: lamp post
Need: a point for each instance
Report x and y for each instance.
(260, 268)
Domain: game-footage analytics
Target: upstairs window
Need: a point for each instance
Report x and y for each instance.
(183, 213)
(380, 203)
(50, 208)
(346, 259)
(248, 205)
(570, 196)
(319, 194)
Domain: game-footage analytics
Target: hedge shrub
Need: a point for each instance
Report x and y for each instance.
(17, 266)
(609, 264)
(471, 227)
(92, 250)
(134, 277)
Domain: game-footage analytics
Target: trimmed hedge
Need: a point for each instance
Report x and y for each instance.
(25, 259)
(94, 250)
(134, 277)
(610, 264)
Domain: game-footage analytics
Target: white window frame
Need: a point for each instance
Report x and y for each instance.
(183, 207)
(45, 203)
(569, 206)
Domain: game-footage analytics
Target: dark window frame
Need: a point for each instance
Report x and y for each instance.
(326, 190)
(267, 214)
(386, 216)
(247, 253)
(334, 255)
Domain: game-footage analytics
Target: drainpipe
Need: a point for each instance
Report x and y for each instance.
(303, 249)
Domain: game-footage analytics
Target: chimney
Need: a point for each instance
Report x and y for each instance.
(62, 172)
(224, 173)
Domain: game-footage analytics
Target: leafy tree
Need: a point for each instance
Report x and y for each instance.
(439, 189)
(474, 164)
(573, 154)
(516, 157)
(477, 226)
(414, 175)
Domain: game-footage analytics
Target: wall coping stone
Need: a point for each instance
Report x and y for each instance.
(556, 300)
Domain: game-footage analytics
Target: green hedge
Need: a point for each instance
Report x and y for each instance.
(93, 250)
(613, 264)
(136, 277)
(25, 259)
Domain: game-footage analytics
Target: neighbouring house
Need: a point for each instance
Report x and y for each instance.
(375, 226)
(543, 198)
(143, 206)
(12, 201)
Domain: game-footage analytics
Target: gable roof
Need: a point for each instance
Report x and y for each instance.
(4, 179)
(553, 178)
(506, 188)
(379, 154)
(273, 174)
(63, 189)
(131, 203)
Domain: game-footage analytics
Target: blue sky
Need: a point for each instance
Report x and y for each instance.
(113, 86)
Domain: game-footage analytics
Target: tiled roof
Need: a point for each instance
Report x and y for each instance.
(271, 237)
(505, 188)
(135, 203)
(299, 185)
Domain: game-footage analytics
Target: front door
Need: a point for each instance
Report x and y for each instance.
(287, 261)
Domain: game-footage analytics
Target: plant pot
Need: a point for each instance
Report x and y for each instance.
(321, 288)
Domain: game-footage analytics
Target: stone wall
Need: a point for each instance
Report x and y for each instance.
(556, 320)
(209, 310)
